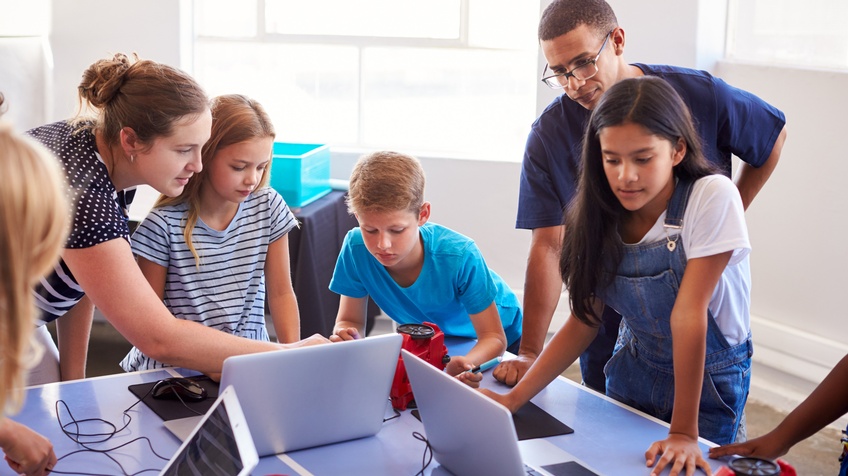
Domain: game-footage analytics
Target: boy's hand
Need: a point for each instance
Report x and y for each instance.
(347, 333)
(458, 364)
(471, 379)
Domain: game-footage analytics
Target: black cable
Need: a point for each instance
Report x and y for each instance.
(396, 415)
(427, 456)
(77, 436)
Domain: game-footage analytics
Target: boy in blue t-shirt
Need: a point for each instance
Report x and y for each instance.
(418, 271)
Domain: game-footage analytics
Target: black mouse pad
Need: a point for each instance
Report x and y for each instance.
(571, 468)
(532, 422)
(169, 409)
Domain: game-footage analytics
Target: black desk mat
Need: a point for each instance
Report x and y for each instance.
(532, 422)
(169, 409)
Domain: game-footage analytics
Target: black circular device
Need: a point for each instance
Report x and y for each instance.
(416, 331)
(754, 467)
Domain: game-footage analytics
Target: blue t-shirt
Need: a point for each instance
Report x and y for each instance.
(454, 282)
(729, 120)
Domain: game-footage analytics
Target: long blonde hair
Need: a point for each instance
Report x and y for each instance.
(235, 119)
(34, 221)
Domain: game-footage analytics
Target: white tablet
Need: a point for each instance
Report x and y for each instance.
(220, 445)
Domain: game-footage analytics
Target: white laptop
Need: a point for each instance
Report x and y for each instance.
(471, 434)
(311, 396)
(221, 445)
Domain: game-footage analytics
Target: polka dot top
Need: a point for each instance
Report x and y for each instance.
(99, 212)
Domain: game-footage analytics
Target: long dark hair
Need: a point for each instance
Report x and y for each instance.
(591, 248)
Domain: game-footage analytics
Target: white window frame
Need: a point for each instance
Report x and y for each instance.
(543, 96)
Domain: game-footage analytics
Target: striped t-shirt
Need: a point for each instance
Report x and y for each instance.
(227, 291)
(99, 211)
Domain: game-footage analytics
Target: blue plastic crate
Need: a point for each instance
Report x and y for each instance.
(300, 172)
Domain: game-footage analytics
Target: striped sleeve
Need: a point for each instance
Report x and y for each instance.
(282, 219)
(152, 238)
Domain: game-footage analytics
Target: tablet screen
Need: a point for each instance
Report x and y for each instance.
(212, 450)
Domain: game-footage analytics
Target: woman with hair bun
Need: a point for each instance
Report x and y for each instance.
(149, 124)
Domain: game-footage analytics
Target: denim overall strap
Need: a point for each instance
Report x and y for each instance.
(641, 370)
(677, 205)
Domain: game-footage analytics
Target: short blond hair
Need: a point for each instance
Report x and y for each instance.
(386, 181)
(34, 220)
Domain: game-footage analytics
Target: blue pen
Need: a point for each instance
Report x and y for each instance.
(486, 365)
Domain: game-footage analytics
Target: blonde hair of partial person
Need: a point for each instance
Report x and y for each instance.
(235, 119)
(144, 95)
(34, 219)
(386, 181)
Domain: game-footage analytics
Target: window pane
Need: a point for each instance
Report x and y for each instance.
(503, 24)
(219, 18)
(381, 18)
(790, 32)
(475, 102)
(310, 91)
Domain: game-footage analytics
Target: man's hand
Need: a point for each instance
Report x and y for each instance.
(511, 371)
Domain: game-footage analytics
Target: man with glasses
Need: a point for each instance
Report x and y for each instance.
(583, 45)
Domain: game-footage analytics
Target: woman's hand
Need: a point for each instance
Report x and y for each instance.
(27, 452)
(314, 339)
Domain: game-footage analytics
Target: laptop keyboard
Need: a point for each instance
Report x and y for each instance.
(531, 472)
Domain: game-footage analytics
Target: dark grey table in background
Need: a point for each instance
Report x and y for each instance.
(314, 248)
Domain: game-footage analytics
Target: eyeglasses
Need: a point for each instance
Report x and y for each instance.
(581, 72)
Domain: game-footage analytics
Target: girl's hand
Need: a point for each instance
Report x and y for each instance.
(768, 446)
(681, 452)
(502, 398)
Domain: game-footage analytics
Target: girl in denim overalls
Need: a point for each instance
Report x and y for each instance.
(654, 233)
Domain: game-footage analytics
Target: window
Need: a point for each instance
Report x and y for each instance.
(788, 32)
(443, 77)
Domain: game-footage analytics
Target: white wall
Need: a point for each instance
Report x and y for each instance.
(796, 225)
(25, 63)
(85, 31)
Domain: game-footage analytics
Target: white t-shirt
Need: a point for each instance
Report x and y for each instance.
(714, 222)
